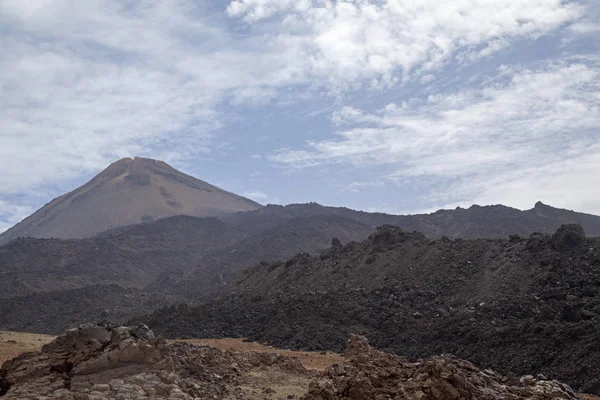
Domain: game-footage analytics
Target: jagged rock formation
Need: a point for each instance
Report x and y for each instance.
(521, 305)
(128, 191)
(368, 374)
(568, 237)
(105, 361)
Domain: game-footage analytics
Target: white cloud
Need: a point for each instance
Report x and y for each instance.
(584, 27)
(255, 10)
(256, 195)
(357, 186)
(347, 113)
(84, 83)
(11, 213)
(497, 140)
(348, 42)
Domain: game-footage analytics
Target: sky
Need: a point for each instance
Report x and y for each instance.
(399, 106)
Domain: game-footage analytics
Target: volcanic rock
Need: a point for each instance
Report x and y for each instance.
(105, 361)
(369, 374)
(501, 304)
(336, 244)
(568, 236)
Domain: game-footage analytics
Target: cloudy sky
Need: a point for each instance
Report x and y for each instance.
(400, 106)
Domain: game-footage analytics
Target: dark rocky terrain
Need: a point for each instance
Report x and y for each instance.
(187, 259)
(53, 312)
(524, 305)
(221, 268)
(130, 257)
(48, 284)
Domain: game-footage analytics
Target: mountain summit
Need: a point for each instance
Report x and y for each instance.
(128, 191)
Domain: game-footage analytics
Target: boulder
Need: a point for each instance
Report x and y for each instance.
(568, 237)
(142, 332)
(336, 244)
(536, 241)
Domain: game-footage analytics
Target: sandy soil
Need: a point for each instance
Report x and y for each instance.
(14, 343)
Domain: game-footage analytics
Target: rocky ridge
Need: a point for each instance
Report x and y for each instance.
(492, 221)
(524, 305)
(105, 361)
(369, 374)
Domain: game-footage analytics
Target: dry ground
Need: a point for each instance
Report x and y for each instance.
(281, 385)
(268, 383)
(310, 360)
(14, 343)
(278, 384)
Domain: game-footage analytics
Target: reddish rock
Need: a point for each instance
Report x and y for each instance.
(369, 374)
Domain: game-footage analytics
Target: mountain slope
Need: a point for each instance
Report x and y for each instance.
(517, 305)
(133, 256)
(128, 191)
(222, 267)
(495, 221)
(144, 266)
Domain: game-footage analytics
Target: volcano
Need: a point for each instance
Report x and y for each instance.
(128, 191)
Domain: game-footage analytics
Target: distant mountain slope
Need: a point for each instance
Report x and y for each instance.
(132, 191)
(496, 221)
(146, 266)
(129, 191)
(272, 215)
(222, 267)
(133, 256)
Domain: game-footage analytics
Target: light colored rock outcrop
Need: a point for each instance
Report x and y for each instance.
(95, 362)
(369, 374)
(98, 362)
